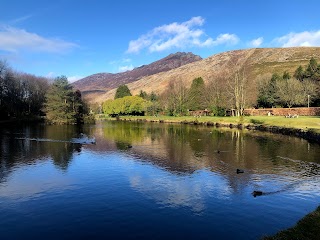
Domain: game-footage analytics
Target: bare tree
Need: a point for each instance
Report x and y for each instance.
(238, 90)
(175, 98)
(291, 92)
(215, 95)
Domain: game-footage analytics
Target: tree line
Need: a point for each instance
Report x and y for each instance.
(222, 93)
(21, 94)
(301, 89)
(24, 95)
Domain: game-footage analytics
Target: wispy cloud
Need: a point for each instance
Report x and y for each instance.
(256, 42)
(126, 68)
(20, 19)
(15, 40)
(307, 39)
(179, 35)
(72, 79)
(51, 75)
(123, 60)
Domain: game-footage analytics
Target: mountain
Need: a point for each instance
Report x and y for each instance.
(256, 61)
(98, 84)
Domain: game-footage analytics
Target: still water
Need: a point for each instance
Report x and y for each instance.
(152, 181)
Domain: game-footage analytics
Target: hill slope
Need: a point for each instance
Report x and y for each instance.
(100, 83)
(256, 61)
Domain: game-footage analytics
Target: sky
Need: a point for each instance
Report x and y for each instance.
(77, 38)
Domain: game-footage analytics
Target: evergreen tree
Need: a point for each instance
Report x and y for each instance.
(299, 73)
(59, 102)
(195, 95)
(143, 94)
(286, 75)
(78, 107)
(153, 97)
(122, 91)
(267, 96)
(313, 70)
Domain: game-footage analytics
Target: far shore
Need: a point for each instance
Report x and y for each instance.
(306, 127)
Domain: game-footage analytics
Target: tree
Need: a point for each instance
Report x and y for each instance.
(238, 91)
(313, 70)
(78, 107)
(175, 99)
(122, 91)
(129, 105)
(63, 106)
(153, 97)
(195, 94)
(143, 94)
(267, 91)
(291, 92)
(215, 96)
(286, 75)
(299, 73)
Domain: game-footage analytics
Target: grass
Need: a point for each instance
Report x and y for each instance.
(306, 123)
(307, 228)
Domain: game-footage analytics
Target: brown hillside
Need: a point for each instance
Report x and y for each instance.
(100, 83)
(256, 62)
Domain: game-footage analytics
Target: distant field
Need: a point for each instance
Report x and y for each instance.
(299, 123)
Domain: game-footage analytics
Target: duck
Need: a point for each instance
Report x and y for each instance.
(257, 193)
(239, 171)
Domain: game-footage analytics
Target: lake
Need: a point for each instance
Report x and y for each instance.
(152, 181)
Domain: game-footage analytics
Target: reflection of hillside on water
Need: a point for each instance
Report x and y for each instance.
(184, 149)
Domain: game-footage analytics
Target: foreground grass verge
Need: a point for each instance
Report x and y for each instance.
(308, 228)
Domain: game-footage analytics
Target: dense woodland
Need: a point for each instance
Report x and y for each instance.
(25, 96)
(220, 94)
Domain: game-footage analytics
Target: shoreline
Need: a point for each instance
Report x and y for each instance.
(309, 134)
(306, 228)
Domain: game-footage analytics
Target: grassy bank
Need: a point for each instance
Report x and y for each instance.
(305, 123)
(308, 228)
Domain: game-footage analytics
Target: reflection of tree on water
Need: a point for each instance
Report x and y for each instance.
(185, 149)
(16, 151)
(62, 154)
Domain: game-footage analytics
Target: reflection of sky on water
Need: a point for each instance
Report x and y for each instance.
(31, 181)
(173, 175)
(172, 190)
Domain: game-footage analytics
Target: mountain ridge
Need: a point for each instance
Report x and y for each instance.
(256, 61)
(99, 83)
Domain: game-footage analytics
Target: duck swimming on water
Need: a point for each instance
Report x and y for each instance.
(239, 171)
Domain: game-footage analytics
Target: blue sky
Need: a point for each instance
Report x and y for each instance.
(78, 38)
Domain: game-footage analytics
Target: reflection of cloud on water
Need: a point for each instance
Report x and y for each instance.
(24, 183)
(189, 191)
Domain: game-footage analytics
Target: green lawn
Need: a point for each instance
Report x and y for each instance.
(299, 123)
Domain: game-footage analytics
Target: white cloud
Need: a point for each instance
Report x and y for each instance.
(126, 60)
(126, 68)
(15, 40)
(306, 39)
(179, 35)
(51, 75)
(256, 42)
(74, 78)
